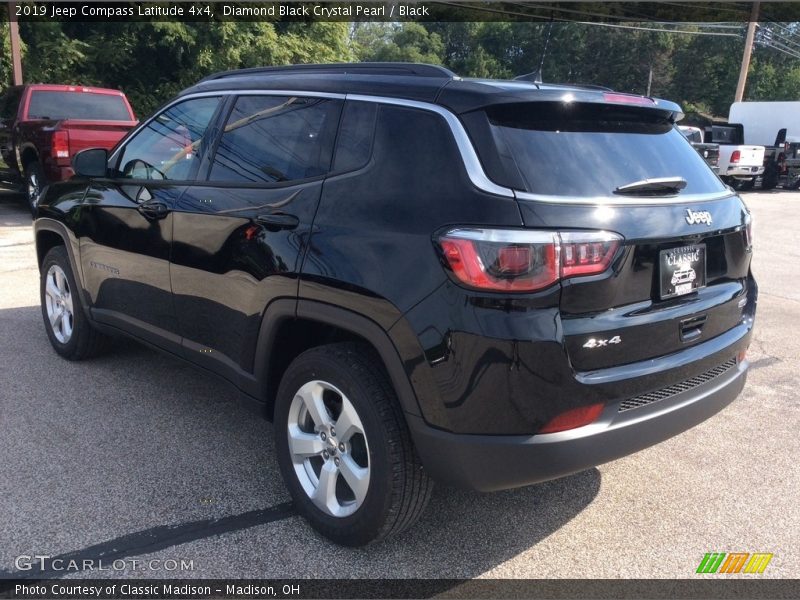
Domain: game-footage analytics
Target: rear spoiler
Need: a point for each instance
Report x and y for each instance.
(467, 96)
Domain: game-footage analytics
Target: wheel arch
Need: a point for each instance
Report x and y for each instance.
(48, 234)
(28, 154)
(291, 327)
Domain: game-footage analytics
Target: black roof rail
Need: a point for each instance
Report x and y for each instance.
(365, 68)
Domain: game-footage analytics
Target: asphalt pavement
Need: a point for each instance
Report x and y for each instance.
(137, 457)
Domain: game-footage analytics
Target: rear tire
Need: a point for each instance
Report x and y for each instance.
(363, 482)
(769, 181)
(34, 184)
(69, 330)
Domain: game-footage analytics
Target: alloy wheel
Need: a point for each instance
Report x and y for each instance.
(58, 300)
(328, 448)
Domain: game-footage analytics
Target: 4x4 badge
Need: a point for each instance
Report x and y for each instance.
(697, 217)
(597, 343)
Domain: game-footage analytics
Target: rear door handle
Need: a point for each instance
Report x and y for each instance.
(278, 221)
(153, 210)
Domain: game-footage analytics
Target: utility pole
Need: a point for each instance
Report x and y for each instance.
(649, 81)
(16, 57)
(748, 50)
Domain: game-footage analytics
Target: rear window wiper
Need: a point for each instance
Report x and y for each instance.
(659, 186)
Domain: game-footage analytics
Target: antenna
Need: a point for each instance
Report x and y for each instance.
(535, 77)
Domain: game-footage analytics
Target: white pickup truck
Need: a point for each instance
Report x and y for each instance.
(739, 164)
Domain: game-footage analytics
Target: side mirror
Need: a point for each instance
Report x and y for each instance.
(92, 162)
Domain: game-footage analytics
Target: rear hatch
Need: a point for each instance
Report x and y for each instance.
(86, 118)
(749, 156)
(679, 275)
(94, 134)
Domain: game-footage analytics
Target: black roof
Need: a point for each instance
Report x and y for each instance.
(411, 81)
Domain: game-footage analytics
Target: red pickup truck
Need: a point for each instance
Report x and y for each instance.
(43, 126)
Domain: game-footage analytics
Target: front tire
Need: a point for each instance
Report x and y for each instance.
(344, 448)
(34, 184)
(69, 330)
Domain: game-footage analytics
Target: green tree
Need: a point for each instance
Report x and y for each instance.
(410, 42)
(151, 62)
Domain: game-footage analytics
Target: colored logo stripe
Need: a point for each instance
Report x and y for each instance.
(734, 562)
(757, 563)
(713, 562)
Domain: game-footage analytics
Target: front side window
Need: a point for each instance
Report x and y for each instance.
(273, 139)
(172, 144)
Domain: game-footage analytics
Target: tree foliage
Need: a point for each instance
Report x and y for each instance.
(152, 61)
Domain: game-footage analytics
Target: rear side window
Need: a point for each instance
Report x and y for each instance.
(727, 135)
(273, 139)
(354, 143)
(77, 105)
(585, 150)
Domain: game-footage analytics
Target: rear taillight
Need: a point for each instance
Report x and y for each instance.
(575, 417)
(60, 145)
(748, 231)
(735, 156)
(525, 261)
(587, 253)
(511, 261)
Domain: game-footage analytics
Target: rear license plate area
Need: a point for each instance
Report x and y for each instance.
(682, 270)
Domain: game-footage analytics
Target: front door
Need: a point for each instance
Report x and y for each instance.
(126, 220)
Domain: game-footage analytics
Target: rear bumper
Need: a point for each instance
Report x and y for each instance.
(489, 463)
(743, 171)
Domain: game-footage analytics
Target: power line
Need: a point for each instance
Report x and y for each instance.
(682, 31)
(769, 33)
(590, 23)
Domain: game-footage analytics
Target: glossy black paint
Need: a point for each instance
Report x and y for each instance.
(229, 264)
(413, 184)
(125, 252)
(224, 274)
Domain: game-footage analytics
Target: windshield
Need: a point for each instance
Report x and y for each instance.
(584, 150)
(77, 105)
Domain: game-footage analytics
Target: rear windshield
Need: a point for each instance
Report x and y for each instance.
(693, 135)
(77, 105)
(563, 149)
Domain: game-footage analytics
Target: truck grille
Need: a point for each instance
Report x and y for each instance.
(678, 388)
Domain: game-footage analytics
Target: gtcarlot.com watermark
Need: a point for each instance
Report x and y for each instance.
(47, 564)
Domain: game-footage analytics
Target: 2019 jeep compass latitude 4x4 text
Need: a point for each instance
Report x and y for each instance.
(417, 277)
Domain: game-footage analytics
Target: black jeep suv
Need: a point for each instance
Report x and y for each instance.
(417, 277)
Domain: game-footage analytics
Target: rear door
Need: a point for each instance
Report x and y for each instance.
(125, 222)
(679, 277)
(240, 234)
